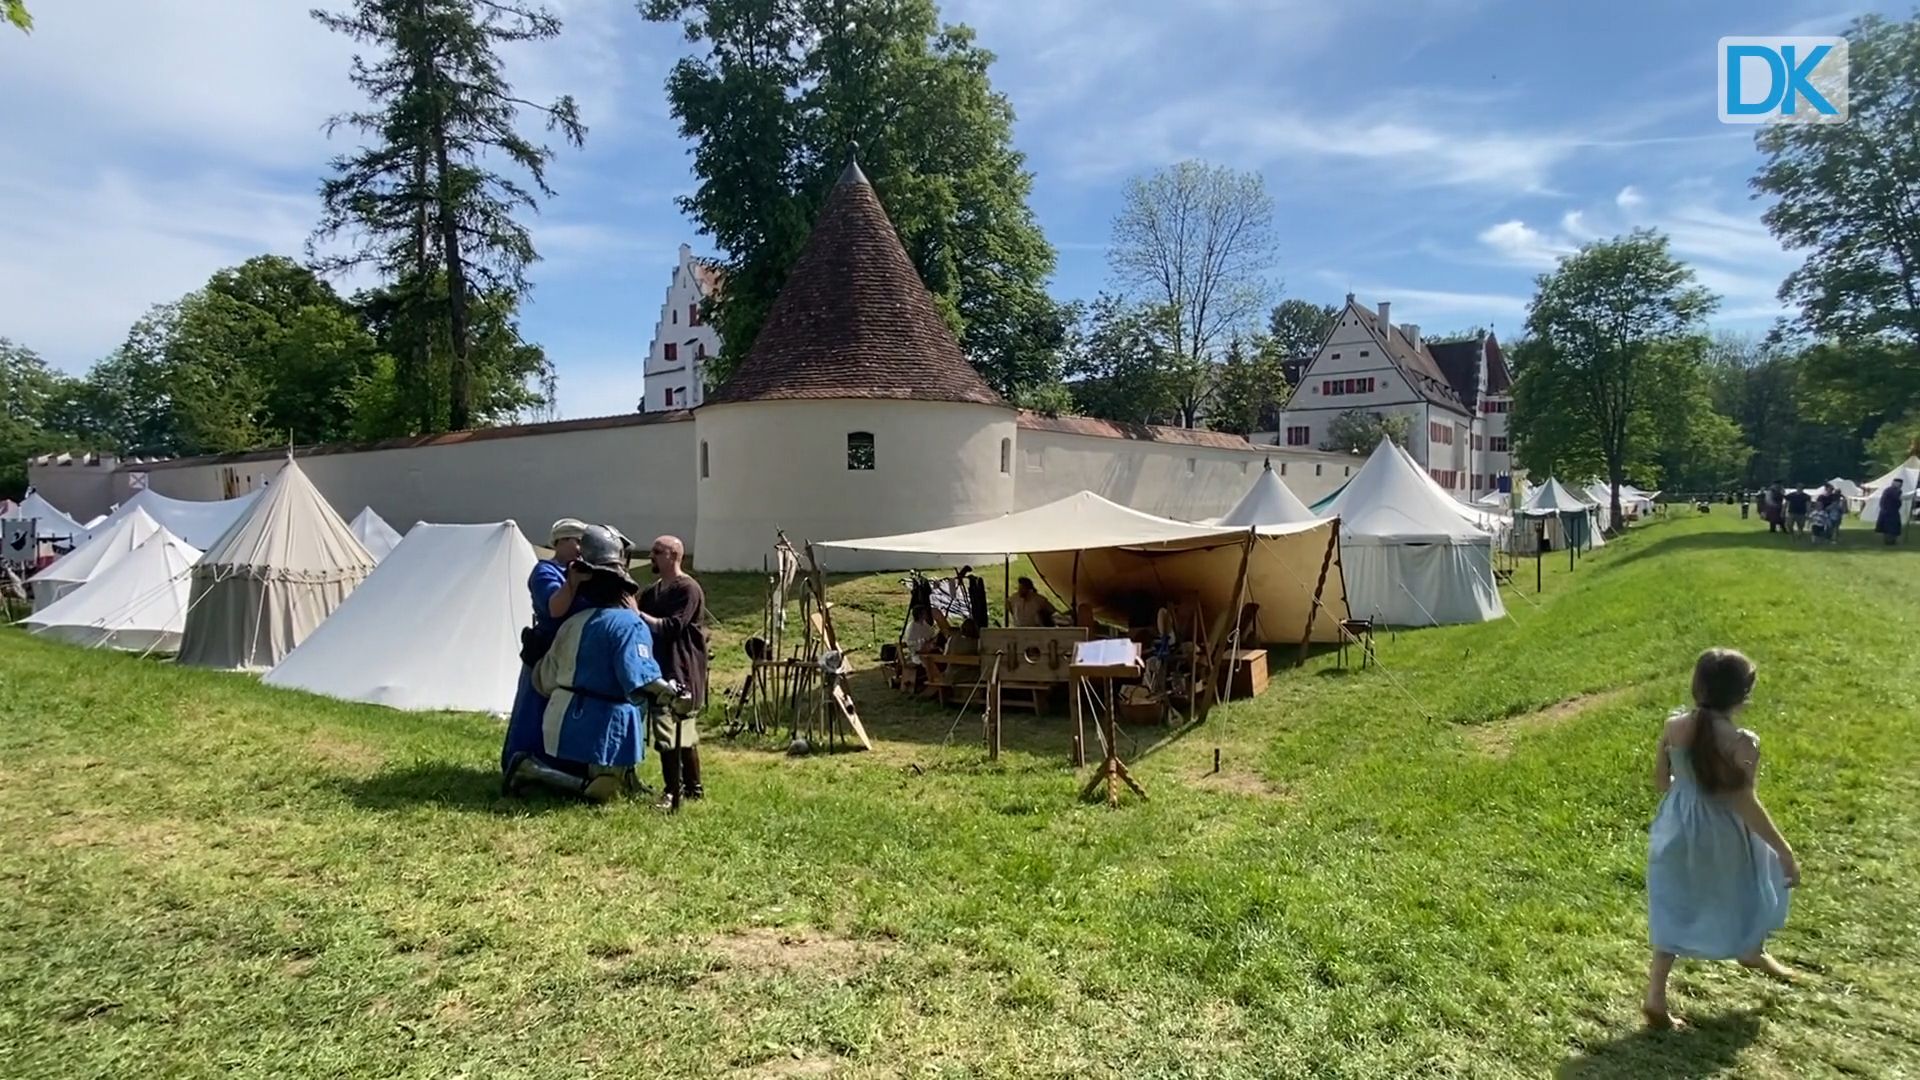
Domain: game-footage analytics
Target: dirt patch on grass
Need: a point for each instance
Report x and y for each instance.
(787, 1068)
(1240, 781)
(161, 837)
(764, 950)
(1497, 739)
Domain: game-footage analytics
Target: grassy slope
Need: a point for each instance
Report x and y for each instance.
(1410, 870)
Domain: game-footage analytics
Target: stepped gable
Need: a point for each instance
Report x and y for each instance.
(854, 320)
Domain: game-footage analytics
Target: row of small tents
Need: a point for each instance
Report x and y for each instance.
(286, 587)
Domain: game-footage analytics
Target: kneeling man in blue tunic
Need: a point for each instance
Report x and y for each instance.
(601, 681)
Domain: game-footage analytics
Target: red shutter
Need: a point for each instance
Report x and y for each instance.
(672, 351)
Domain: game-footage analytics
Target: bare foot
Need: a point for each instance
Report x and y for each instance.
(1659, 1019)
(1766, 965)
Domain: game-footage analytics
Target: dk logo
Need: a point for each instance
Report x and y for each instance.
(1783, 80)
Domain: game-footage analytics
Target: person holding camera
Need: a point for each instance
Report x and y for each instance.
(555, 590)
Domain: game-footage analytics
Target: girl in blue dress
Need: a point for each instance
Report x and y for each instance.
(1718, 871)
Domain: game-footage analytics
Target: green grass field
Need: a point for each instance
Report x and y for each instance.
(1431, 868)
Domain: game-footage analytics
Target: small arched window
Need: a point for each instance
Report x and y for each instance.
(860, 450)
(1316, 470)
(1006, 455)
(703, 460)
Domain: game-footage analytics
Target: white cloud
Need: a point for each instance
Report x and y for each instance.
(1520, 244)
(1574, 224)
(1629, 198)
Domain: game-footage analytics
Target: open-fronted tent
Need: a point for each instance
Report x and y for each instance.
(435, 626)
(198, 522)
(374, 534)
(89, 560)
(1127, 564)
(1269, 501)
(1412, 554)
(138, 604)
(272, 579)
(1563, 518)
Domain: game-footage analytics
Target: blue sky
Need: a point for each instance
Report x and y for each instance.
(1435, 154)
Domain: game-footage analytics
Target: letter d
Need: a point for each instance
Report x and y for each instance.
(1776, 82)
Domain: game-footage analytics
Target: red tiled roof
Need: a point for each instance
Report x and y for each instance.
(1114, 429)
(448, 438)
(854, 320)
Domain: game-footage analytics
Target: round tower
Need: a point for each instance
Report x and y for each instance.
(854, 413)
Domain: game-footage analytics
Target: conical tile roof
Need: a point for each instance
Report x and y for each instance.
(854, 320)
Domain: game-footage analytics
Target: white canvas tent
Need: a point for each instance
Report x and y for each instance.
(435, 626)
(89, 560)
(138, 604)
(272, 579)
(1908, 471)
(1412, 556)
(1268, 502)
(1126, 564)
(54, 524)
(374, 534)
(198, 522)
(1564, 516)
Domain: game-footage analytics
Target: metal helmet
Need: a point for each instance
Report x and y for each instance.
(601, 550)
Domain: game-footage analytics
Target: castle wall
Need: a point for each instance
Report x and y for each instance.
(1188, 482)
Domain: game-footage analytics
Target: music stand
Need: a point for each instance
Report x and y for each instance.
(1106, 659)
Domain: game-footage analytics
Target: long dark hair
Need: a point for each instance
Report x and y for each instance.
(1722, 682)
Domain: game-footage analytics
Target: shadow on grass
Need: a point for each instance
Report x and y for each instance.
(1862, 541)
(1707, 1047)
(455, 786)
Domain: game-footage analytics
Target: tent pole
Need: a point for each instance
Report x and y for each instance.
(1075, 599)
(1326, 563)
(1230, 641)
(1006, 590)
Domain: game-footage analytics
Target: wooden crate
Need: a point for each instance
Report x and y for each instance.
(1249, 673)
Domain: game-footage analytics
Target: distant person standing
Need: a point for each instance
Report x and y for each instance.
(1776, 512)
(674, 608)
(1746, 502)
(1888, 522)
(1798, 503)
(1027, 607)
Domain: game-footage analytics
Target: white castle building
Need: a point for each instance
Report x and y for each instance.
(682, 339)
(1456, 395)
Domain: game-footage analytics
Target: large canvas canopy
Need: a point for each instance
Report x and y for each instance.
(1127, 564)
(200, 523)
(374, 534)
(138, 604)
(272, 579)
(81, 565)
(1268, 502)
(435, 626)
(1412, 555)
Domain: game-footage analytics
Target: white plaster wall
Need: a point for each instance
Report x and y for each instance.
(637, 478)
(783, 465)
(82, 491)
(1169, 479)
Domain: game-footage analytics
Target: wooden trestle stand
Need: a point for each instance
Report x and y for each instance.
(1103, 660)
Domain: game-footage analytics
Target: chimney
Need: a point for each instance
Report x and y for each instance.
(1386, 326)
(1413, 334)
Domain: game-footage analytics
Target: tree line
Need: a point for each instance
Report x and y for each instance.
(1616, 373)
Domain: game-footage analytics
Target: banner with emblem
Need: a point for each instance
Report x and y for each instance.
(20, 541)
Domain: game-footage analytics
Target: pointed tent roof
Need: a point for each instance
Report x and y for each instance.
(374, 534)
(77, 567)
(1553, 497)
(1392, 500)
(436, 626)
(200, 523)
(138, 603)
(1908, 470)
(290, 531)
(53, 523)
(1268, 502)
(854, 320)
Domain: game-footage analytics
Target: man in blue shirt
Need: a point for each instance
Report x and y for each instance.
(555, 593)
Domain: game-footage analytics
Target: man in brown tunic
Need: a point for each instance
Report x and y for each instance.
(675, 610)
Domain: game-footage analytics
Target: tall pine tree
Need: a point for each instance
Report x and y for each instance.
(422, 201)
